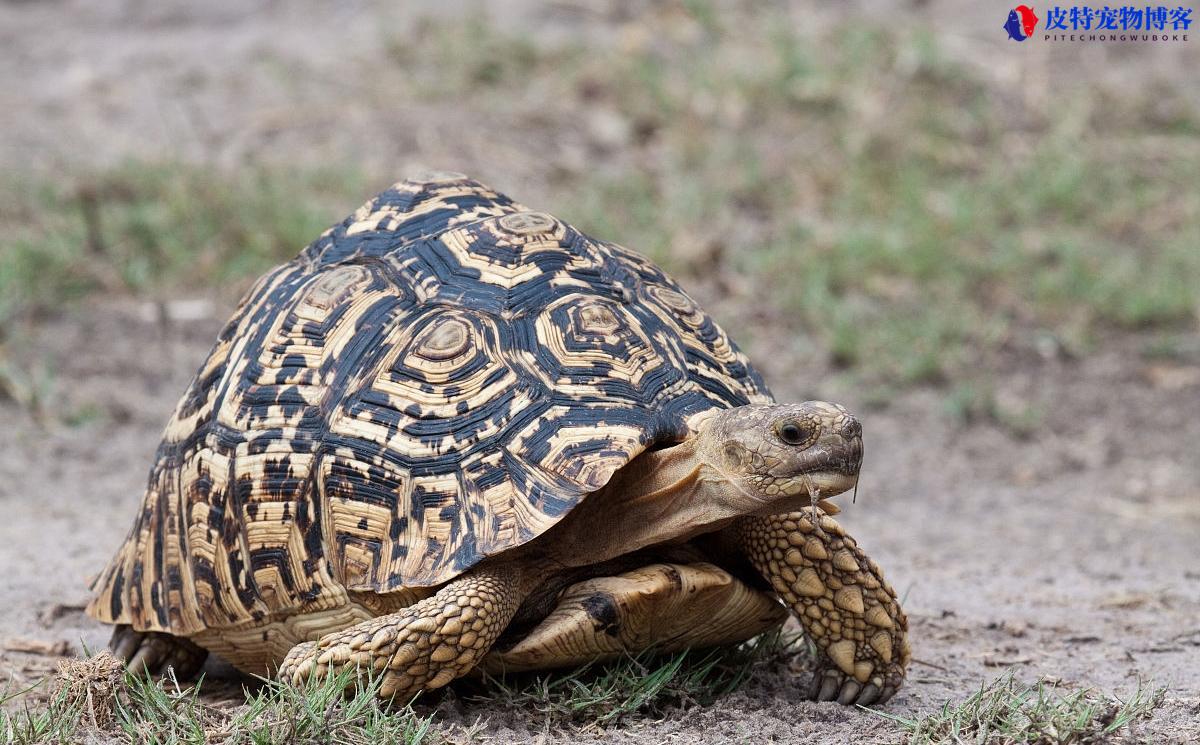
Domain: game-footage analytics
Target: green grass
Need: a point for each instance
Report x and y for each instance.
(53, 720)
(94, 700)
(645, 685)
(1008, 712)
(150, 228)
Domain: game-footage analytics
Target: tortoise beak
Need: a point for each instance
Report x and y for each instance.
(831, 483)
(835, 453)
(830, 466)
(846, 454)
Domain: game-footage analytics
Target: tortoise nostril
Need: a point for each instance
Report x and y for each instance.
(851, 428)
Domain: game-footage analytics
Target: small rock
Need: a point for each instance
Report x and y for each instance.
(52, 613)
(59, 648)
(1172, 377)
(609, 128)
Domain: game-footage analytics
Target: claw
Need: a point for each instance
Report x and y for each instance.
(849, 692)
(289, 669)
(143, 661)
(303, 670)
(869, 695)
(814, 687)
(124, 643)
(441, 679)
(829, 688)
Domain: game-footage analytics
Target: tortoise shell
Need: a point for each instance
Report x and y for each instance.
(438, 379)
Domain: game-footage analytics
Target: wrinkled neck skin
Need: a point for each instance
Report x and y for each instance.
(663, 496)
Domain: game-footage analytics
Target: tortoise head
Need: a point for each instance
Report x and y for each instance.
(751, 460)
(784, 455)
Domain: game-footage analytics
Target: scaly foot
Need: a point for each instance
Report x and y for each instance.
(840, 597)
(421, 647)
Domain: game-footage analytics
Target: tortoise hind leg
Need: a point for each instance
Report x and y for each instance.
(153, 652)
(423, 646)
(839, 595)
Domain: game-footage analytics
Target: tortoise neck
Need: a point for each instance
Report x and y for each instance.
(654, 477)
(661, 497)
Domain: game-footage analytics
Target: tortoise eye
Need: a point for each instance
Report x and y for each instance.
(792, 432)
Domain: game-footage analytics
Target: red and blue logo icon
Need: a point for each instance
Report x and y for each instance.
(1021, 23)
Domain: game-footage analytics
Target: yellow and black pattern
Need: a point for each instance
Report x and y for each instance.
(437, 379)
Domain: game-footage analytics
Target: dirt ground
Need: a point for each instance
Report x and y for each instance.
(1071, 553)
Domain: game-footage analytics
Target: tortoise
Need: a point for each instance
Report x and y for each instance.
(454, 434)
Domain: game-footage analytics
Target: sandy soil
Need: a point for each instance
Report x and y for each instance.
(1071, 553)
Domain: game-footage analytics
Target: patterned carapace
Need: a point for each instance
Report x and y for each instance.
(437, 379)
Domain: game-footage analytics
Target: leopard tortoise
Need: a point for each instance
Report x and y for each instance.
(454, 433)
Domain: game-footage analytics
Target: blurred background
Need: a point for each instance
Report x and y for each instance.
(990, 249)
(899, 186)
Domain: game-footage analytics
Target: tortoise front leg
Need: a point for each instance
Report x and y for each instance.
(840, 597)
(423, 646)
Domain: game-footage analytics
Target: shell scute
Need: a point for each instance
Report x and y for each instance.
(439, 378)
